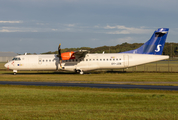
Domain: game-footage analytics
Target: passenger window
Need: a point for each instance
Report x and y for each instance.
(113, 59)
(49, 60)
(107, 59)
(86, 59)
(117, 59)
(93, 59)
(76, 60)
(110, 59)
(39, 60)
(96, 59)
(100, 59)
(46, 60)
(90, 59)
(43, 60)
(103, 59)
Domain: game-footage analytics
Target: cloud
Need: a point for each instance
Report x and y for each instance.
(9, 29)
(17, 29)
(110, 27)
(54, 29)
(40, 24)
(119, 29)
(37, 27)
(4, 30)
(11, 21)
(119, 32)
(70, 25)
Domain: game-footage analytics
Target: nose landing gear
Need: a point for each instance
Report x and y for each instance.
(15, 71)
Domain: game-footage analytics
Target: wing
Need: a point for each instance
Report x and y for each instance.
(74, 55)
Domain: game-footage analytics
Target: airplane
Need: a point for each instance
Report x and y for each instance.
(82, 61)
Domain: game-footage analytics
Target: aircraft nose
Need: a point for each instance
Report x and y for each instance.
(6, 65)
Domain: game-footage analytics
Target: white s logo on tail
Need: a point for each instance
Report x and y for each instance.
(158, 48)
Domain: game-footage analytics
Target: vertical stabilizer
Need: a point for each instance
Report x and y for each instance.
(153, 46)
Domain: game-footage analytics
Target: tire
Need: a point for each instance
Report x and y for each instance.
(81, 72)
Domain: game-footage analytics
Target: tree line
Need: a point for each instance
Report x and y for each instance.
(170, 49)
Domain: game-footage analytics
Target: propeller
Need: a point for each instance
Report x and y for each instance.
(59, 51)
(59, 54)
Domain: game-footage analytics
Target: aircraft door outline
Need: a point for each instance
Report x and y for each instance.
(126, 60)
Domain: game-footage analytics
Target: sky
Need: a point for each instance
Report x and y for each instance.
(38, 26)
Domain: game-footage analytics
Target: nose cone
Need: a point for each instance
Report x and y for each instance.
(6, 65)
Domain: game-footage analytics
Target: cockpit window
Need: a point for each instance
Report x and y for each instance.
(16, 59)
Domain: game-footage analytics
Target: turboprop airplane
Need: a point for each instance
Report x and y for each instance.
(81, 61)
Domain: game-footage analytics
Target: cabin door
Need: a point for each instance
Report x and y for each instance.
(126, 60)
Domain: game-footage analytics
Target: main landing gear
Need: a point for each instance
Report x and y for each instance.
(79, 71)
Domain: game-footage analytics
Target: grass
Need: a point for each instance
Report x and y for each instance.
(111, 78)
(32, 102)
(157, 73)
(43, 102)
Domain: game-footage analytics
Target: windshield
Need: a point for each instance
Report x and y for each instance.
(16, 59)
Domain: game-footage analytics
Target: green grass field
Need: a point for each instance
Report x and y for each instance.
(110, 78)
(139, 75)
(42, 102)
(30, 102)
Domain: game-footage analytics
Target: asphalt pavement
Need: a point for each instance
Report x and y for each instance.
(124, 86)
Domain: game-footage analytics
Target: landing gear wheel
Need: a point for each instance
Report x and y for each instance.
(81, 72)
(15, 71)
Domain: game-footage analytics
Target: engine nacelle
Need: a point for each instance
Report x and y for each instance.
(67, 55)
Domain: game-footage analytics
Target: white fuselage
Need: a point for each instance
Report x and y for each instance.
(89, 62)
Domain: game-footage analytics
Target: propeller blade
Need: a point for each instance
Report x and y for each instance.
(59, 51)
(59, 55)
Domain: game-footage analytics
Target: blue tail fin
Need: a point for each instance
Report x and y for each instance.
(153, 46)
